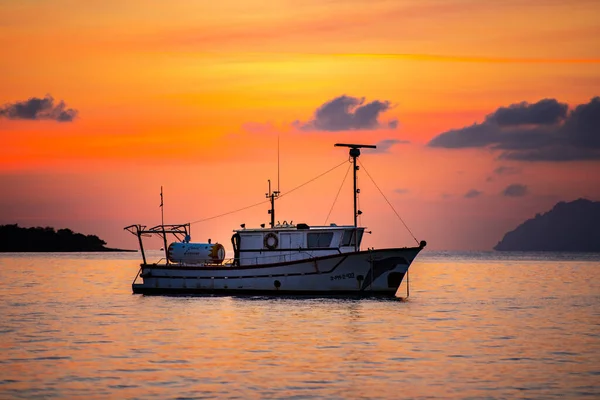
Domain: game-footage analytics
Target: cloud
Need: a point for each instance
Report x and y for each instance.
(471, 194)
(543, 131)
(402, 191)
(504, 170)
(384, 146)
(515, 190)
(346, 113)
(38, 108)
(544, 112)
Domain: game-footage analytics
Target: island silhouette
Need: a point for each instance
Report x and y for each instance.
(14, 238)
(572, 226)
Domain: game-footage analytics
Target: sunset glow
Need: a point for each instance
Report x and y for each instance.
(195, 97)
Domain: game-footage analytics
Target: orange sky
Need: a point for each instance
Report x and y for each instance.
(192, 95)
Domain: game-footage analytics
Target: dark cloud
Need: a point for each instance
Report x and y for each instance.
(544, 131)
(544, 112)
(476, 135)
(402, 191)
(553, 153)
(384, 146)
(36, 109)
(515, 190)
(472, 194)
(346, 113)
(583, 125)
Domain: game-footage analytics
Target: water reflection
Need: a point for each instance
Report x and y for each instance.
(473, 327)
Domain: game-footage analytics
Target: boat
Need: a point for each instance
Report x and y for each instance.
(284, 259)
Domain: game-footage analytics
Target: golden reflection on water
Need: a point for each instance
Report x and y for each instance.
(484, 326)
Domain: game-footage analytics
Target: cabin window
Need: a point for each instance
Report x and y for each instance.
(359, 235)
(348, 238)
(320, 239)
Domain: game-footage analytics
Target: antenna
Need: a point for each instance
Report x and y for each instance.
(162, 210)
(278, 188)
(355, 153)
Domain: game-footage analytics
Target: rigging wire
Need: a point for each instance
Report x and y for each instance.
(338, 194)
(313, 179)
(266, 201)
(358, 201)
(390, 204)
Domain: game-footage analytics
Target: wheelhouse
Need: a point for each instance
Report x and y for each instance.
(288, 242)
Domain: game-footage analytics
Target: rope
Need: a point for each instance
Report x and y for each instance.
(338, 193)
(267, 201)
(313, 179)
(390, 204)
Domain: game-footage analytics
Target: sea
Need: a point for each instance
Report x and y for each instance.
(475, 325)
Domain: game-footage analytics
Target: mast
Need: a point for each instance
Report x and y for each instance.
(272, 196)
(162, 223)
(355, 153)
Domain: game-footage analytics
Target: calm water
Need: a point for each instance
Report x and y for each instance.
(475, 325)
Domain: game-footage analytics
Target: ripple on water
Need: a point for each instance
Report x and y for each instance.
(169, 361)
(472, 328)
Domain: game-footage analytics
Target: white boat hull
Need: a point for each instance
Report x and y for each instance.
(363, 273)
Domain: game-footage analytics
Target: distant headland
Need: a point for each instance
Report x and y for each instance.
(573, 226)
(16, 239)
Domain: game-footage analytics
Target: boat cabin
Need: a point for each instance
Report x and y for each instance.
(289, 242)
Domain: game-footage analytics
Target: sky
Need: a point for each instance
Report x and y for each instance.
(484, 114)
